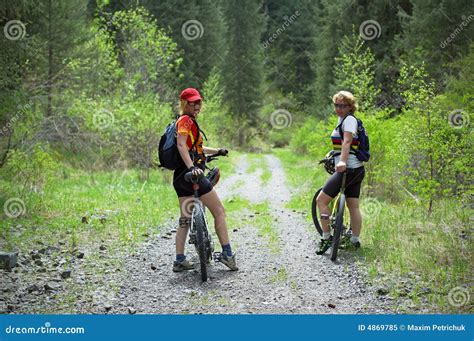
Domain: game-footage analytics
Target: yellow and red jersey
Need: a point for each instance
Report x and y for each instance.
(186, 126)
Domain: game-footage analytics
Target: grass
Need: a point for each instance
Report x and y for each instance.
(242, 213)
(82, 207)
(86, 207)
(257, 161)
(303, 174)
(209, 299)
(254, 161)
(280, 276)
(266, 175)
(424, 258)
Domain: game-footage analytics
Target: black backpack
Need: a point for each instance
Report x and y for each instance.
(168, 150)
(363, 152)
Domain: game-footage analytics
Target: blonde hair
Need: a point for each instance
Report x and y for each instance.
(348, 98)
(182, 105)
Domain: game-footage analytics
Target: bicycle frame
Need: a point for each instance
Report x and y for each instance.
(199, 233)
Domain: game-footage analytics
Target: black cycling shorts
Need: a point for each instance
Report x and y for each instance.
(353, 182)
(184, 188)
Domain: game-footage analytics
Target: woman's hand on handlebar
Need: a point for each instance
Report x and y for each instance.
(222, 152)
(196, 171)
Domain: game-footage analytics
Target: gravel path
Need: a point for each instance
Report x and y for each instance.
(293, 280)
(288, 279)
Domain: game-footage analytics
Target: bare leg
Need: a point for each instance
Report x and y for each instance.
(323, 201)
(182, 232)
(212, 201)
(356, 217)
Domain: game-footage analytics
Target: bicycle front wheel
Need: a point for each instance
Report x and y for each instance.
(315, 212)
(200, 222)
(339, 226)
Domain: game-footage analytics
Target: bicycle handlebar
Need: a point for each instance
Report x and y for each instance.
(211, 158)
(189, 177)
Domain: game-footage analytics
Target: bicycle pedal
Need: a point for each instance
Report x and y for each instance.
(216, 256)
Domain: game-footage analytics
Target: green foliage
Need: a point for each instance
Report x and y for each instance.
(214, 118)
(148, 56)
(384, 170)
(314, 137)
(437, 165)
(354, 71)
(98, 63)
(125, 132)
(31, 171)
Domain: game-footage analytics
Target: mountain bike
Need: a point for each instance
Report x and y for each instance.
(199, 233)
(337, 209)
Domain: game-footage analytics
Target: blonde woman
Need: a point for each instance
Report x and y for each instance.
(190, 146)
(345, 161)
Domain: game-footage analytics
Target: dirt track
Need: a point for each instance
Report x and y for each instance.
(288, 279)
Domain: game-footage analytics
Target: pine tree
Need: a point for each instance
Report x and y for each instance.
(197, 27)
(289, 45)
(243, 71)
(437, 33)
(62, 27)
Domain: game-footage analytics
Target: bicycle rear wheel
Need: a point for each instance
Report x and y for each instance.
(200, 222)
(339, 228)
(315, 212)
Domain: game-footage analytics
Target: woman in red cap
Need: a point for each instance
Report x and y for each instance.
(190, 147)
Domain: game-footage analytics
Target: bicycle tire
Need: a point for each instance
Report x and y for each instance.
(200, 222)
(315, 212)
(336, 238)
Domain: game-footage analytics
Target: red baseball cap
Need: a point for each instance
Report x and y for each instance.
(190, 95)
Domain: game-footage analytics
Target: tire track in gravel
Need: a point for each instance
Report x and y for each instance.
(293, 280)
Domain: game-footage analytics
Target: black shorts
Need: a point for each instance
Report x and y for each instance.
(353, 181)
(184, 188)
